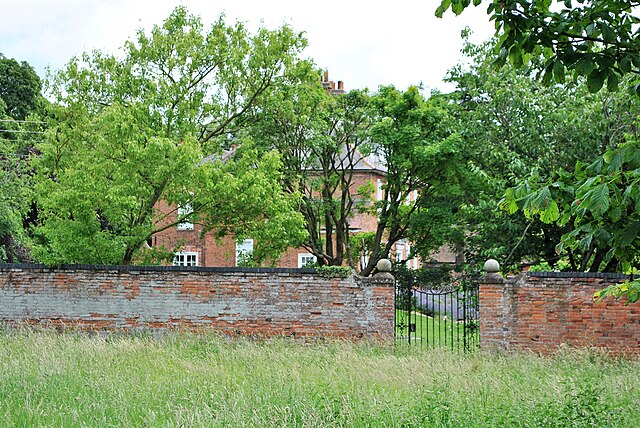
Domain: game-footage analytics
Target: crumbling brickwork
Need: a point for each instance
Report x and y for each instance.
(264, 302)
(542, 311)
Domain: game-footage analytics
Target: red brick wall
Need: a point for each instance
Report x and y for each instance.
(542, 311)
(235, 301)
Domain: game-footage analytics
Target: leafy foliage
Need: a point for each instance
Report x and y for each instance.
(514, 125)
(427, 171)
(150, 126)
(20, 89)
(601, 201)
(334, 271)
(20, 128)
(597, 39)
(322, 142)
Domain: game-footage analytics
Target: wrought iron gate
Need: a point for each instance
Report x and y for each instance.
(437, 314)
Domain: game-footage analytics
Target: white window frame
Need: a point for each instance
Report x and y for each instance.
(364, 261)
(379, 192)
(305, 258)
(187, 225)
(400, 247)
(243, 248)
(186, 258)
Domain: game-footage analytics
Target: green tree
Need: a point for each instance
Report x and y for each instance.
(322, 142)
(427, 172)
(601, 202)
(326, 140)
(20, 104)
(20, 89)
(597, 39)
(150, 125)
(515, 125)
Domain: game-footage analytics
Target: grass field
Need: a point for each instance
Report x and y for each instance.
(430, 331)
(52, 380)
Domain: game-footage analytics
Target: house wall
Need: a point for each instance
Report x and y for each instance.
(214, 252)
(543, 311)
(221, 252)
(260, 302)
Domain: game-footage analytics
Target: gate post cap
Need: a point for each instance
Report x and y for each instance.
(383, 265)
(492, 266)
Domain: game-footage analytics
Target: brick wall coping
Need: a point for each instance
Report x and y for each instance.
(130, 268)
(604, 275)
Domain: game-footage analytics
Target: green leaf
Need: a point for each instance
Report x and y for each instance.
(585, 242)
(515, 56)
(596, 166)
(625, 64)
(457, 6)
(630, 233)
(612, 82)
(551, 213)
(444, 5)
(508, 202)
(599, 199)
(607, 33)
(613, 159)
(595, 80)
(558, 71)
(615, 214)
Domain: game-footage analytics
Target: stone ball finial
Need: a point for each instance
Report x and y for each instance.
(492, 266)
(383, 265)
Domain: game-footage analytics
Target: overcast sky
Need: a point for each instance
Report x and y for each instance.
(363, 43)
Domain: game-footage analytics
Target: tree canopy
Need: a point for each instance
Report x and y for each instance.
(21, 103)
(427, 172)
(597, 39)
(20, 89)
(150, 125)
(515, 125)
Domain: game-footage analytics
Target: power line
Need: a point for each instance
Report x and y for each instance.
(21, 121)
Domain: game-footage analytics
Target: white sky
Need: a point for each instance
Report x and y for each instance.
(363, 43)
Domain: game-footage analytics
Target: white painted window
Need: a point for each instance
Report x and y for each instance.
(244, 249)
(380, 194)
(306, 258)
(186, 258)
(182, 211)
(364, 261)
(399, 252)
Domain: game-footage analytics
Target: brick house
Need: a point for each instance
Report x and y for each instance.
(205, 250)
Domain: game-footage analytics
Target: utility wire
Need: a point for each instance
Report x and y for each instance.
(21, 131)
(21, 121)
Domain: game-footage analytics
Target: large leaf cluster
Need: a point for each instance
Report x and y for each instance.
(600, 201)
(597, 39)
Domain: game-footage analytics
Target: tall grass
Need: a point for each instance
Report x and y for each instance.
(70, 380)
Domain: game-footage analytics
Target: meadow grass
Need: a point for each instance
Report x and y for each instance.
(73, 380)
(430, 331)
